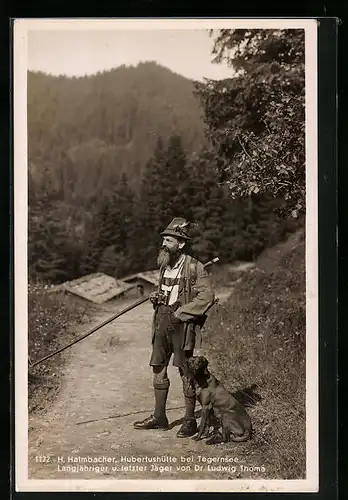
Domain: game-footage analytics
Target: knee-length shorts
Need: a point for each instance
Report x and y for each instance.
(168, 339)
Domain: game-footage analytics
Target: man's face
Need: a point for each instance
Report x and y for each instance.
(172, 244)
(170, 250)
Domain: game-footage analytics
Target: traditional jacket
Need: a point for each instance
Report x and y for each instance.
(195, 296)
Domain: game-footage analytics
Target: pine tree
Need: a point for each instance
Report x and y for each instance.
(176, 202)
(206, 206)
(111, 244)
(163, 195)
(53, 250)
(149, 206)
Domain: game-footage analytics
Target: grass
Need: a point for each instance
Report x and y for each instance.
(52, 318)
(263, 325)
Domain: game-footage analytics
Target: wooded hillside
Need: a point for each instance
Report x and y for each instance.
(114, 156)
(86, 129)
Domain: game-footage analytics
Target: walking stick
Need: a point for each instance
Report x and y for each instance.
(107, 321)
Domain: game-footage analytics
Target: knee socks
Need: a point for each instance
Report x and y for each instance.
(161, 394)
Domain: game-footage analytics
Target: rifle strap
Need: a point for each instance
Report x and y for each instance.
(193, 271)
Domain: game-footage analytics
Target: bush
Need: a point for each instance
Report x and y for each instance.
(264, 324)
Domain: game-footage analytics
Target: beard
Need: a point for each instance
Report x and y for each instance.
(167, 257)
(163, 258)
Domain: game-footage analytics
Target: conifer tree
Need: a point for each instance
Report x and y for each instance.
(163, 195)
(111, 246)
(206, 205)
(53, 251)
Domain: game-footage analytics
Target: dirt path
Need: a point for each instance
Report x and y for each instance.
(107, 375)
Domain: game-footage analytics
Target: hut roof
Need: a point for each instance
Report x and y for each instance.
(96, 287)
(148, 276)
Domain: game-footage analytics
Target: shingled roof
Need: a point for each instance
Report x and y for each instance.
(151, 277)
(96, 287)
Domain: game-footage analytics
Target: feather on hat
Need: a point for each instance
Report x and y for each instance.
(178, 228)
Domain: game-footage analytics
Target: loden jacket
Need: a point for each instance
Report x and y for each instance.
(195, 296)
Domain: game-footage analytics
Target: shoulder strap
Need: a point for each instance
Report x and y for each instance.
(193, 270)
(160, 279)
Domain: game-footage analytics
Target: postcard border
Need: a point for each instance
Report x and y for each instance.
(326, 159)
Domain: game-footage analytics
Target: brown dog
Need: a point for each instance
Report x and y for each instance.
(215, 399)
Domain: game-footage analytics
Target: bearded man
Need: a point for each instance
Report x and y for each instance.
(183, 297)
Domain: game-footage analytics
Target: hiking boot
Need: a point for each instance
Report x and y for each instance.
(188, 428)
(152, 422)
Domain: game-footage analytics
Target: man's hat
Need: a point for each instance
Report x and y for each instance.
(177, 228)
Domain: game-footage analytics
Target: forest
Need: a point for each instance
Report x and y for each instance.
(114, 156)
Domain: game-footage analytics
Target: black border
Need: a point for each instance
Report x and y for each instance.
(342, 257)
(327, 229)
(327, 214)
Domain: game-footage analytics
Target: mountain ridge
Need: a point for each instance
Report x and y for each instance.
(109, 70)
(108, 123)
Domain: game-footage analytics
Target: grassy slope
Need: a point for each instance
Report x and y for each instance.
(51, 324)
(263, 325)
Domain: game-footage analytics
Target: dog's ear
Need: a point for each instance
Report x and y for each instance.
(206, 362)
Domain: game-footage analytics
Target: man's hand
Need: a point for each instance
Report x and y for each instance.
(153, 297)
(175, 319)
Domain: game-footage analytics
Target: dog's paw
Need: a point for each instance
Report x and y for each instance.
(214, 439)
(206, 434)
(196, 438)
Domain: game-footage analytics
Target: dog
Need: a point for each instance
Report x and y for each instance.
(217, 402)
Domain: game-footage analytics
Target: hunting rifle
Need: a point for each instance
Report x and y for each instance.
(117, 315)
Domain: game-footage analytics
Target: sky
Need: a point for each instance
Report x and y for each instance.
(84, 52)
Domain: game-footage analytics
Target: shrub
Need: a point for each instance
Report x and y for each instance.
(264, 324)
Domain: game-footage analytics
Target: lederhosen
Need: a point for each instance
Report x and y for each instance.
(168, 339)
